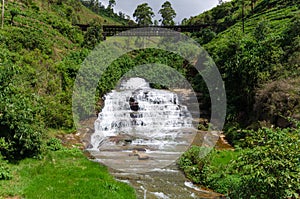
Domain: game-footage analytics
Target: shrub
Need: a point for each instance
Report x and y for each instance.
(5, 173)
(192, 163)
(21, 127)
(93, 35)
(270, 167)
(54, 144)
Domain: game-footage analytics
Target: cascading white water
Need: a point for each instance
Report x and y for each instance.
(136, 115)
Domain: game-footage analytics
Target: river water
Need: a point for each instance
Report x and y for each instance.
(139, 134)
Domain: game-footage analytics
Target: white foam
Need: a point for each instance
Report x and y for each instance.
(165, 170)
(160, 195)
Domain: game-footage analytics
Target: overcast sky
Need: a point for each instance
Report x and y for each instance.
(183, 8)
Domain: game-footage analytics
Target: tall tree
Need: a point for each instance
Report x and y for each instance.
(143, 14)
(167, 13)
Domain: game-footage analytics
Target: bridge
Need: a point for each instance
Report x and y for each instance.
(111, 30)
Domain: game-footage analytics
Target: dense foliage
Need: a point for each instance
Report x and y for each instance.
(270, 166)
(107, 12)
(143, 14)
(267, 166)
(167, 13)
(21, 130)
(266, 51)
(260, 67)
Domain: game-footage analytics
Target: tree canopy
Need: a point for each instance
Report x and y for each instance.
(167, 13)
(143, 14)
(111, 3)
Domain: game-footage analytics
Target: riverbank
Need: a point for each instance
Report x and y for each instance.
(167, 182)
(62, 173)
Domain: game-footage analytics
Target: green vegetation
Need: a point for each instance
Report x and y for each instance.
(62, 173)
(214, 171)
(41, 51)
(106, 13)
(266, 52)
(143, 14)
(259, 62)
(167, 13)
(267, 166)
(255, 45)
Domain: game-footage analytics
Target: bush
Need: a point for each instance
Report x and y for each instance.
(54, 144)
(270, 167)
(21, 127)
(215, 171)
(192, 163)
(5, 173)
(93, 35)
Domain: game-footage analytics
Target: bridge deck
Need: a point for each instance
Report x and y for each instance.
(110, 30)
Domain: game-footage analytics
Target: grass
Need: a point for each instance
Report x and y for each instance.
(223, 158)
(214, 171)
(63, 174)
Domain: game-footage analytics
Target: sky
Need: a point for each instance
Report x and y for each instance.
(183, 8)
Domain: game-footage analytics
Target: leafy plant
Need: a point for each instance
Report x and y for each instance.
(192, 163)
(54, 144)
(270, 167)
(5, 173)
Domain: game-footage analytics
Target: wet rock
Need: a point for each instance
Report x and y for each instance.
(134, 105)
(121, 139)
(142, 156)
(134, 153)
(140, 149)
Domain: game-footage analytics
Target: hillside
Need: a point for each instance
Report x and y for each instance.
(258, 56)
(41, 50)
(266, 52)
(40, 53)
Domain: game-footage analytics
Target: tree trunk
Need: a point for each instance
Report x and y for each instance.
(2, 16)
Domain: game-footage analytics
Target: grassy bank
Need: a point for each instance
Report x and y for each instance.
(65, 173)
(265, 165)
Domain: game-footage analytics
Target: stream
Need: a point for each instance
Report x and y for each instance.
(140, 133)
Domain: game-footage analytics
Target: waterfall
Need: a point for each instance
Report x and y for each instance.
(135, 115)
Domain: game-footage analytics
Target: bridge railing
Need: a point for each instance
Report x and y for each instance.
(110, 30)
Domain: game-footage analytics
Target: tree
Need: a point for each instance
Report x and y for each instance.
(93, 35)
(143, 14)
(111, 3)
(92, 3)
(243, 14)
(167, 14)
(184, 21)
